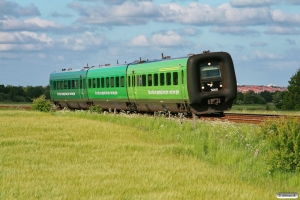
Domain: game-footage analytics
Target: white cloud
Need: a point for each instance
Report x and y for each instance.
(133, 13)
(190, 31)
(235, 30)
(203, 15)
(283, 30)
(128, 13)
(41, 22)
(264, 55)
(252, 3)
(26, 41)
(20, 47)
(168, 39)
(34, 24)
(84, 41)
(279, 17)
(140, 40)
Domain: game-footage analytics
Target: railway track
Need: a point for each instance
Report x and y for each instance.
(231, 117)
(242, 118)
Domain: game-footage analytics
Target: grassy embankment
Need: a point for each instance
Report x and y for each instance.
(261, 109)
(75, 155)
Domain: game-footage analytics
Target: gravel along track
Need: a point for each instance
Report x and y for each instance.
(244, 118)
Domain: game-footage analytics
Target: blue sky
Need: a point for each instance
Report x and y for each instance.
(39, 37)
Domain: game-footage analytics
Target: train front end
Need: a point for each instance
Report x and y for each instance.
(211, 82)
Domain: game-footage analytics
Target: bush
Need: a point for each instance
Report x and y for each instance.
(42, 104)
(95, 109)
(283, 140)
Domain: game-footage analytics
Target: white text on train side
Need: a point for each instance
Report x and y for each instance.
(106, 93)
(66, 93)
(163, 92)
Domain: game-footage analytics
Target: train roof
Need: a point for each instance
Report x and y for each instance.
(137, 62)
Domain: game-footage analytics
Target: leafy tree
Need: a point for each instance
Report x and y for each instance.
(47, 91)
(291, 100)
(42, 104)
(33, 92)
(16, 93)
(277, 99)
(251, 98)
(239, 99)
(3, 89)
(267, 96)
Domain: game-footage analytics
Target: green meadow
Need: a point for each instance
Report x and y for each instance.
(82, 155)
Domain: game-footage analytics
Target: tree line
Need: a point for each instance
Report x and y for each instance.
(264, 97)
(282, 100)
(11, 93)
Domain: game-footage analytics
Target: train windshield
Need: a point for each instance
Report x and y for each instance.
(210, 70)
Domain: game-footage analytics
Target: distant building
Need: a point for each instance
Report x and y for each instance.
(260, 88)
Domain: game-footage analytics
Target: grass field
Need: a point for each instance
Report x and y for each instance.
(76, 155)
(261, 109)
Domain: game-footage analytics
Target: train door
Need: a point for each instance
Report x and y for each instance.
(131, 85)
(134, 89)
(183, 84)
(82, 88)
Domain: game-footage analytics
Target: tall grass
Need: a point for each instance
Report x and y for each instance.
(219, 143)
(78, 155)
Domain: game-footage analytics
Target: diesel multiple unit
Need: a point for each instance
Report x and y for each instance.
(200, 84)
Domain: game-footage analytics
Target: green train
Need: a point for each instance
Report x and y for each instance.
(199, 83)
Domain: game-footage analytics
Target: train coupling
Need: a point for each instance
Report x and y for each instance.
(214, 101)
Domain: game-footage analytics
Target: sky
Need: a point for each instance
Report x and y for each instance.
(38, 37)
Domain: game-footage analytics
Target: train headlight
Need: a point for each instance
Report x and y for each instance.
(202, 87)
(221, 84)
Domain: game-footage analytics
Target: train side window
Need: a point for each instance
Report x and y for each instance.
(80, 83)
(133, 81)
(144, 80)
(155, 79)
(182, 77)
(139, 80)
(69, 84)
(107, 82)
(75, 84)
(61, 84)
(54, 85)
(102, 83)
(89, 83)
(65, 84)
(175, 78)
(149, 79)
(162, 78)
(122, 81)
(168, 78)
(129, 78)
(94, 83)
(98, 82)
(117, 81)
(112, 81)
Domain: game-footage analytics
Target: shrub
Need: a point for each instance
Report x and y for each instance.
(283, 140)
(95, 109)
(42, 104)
